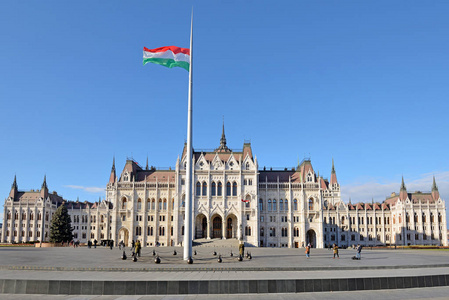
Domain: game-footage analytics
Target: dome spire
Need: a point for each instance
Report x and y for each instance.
(223, 147)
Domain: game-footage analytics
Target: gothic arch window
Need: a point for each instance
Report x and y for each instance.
(153, 204)
(16, 216)
(31, 216)
(165, 204)
(285, 204)
(261, 204)
(24, 216)
(148, 203)
(126, 177)
(269, 205)
(281, 205)
(46, 216)
(173, 204)
(160, 205)
(214, 188)
(247, 166)
(220, 189)
(198, 188)
(139, 204)
(311, 204)
(295, 204)
(309, 177)
(234, 188)
(228, 189)
(274, 205)
(204, 188)
(123, 203)
(138, 230)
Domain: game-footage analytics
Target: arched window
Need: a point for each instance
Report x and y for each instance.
(269, 205)
(148, 204)
(274, 205)
(165, 204)
(247, 166)
(139, 204)
(214, 189)
(248, 201)
(46, 216)
(153, 204)
(123, 203)
(150, 230)
(424, 217)
(160, 205)
(281, 205)
(260, 204)
(204, 188)
(138, 230)
(228, 189)
(310, 204)
(24, 216)
(173, 204)
(285, 204)
(31, 216)
(161, 230)
(432, 218)
(198, 188)
(16, 216)
(295, 204)
(220, 189)
(234, 188)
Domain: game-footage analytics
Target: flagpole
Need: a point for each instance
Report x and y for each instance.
(188, 211)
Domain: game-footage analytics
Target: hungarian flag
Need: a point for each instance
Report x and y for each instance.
(169, 57)
(245, 200)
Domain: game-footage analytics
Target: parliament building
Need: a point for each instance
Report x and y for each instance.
(232, 199)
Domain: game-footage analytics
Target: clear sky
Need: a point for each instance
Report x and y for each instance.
(363, 82)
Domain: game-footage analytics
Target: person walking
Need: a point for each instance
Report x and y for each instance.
(308, 251)
(358, 253)
(138, 248)
(336, 251)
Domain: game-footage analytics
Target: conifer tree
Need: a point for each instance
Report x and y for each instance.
(61, 226)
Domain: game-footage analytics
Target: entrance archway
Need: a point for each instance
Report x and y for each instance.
(200, 226)
(217, 227)
(231, 226)
(311, 238)
(123, 235)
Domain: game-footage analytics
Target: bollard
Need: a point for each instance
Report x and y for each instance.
(157, 260)
(219, 258)
(190, 260)
(124, 256)
(240, 258)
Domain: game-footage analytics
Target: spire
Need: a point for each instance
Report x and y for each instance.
(403, 188)
(14, 188)
(403, 192)
(146, 167)
(44, 188)
(14, 184)
(223, 147)
(112, 177)
(435, 192)
(333, 175)
(44, 184)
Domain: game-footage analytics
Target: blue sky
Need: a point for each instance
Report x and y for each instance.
(363, 82)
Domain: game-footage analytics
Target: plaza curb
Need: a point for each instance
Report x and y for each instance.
(182, 287)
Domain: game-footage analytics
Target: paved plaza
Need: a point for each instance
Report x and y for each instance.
(271, 270)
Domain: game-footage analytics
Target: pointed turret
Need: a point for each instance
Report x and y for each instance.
(333, 175)
(112, 177)
(146, 167)
(44, 188)
(403, 191)
(223, 147)
(14, 188)
(435, 192)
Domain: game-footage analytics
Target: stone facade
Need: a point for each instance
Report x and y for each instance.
(232, 199)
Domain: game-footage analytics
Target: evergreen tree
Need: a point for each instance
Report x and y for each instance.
(61, 226)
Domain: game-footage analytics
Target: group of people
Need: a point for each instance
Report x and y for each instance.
(335, 251)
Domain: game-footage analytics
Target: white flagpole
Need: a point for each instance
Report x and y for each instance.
(188, 211)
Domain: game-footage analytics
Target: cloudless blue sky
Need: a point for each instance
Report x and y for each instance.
(363, 82)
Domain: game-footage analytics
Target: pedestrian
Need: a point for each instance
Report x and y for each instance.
(241, 248)
(111, 244)
(138, 247)
(133, 245)
(95, 243)
(336, 251)
(359, 250)
(307, 251)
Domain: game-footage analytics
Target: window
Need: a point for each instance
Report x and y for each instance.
(260, 205)
(165, 204)
(261, 231)
(272, 231)
(214, 189)
(219, 189)
(228, 189)
(247, 166)
(123, 203)
(161, 231)
(296, 232)
(139, 204)
(160, 204)
(204, 189)
(247, 217)
(295, 204)
(310, 204)
(261, 218)
(281, 205)
(153, 204)
(274, 205)
(248, 231)
(285, 204)
(150, 230)
(269, 205)
(198, 188)
(234, 188)
(284, 232)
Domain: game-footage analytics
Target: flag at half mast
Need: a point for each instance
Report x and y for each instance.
(170, 57)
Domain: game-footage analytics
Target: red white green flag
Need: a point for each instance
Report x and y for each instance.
(170, 57)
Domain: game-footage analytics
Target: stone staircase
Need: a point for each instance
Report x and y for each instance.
(216, 243)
